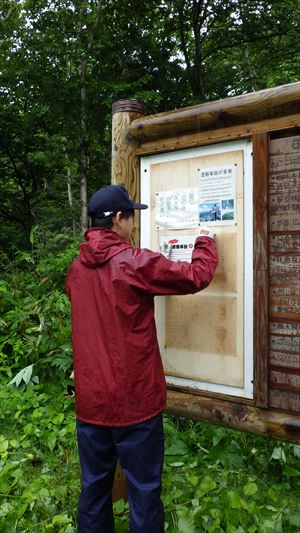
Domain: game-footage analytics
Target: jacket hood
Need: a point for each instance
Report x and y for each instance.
(100, 246)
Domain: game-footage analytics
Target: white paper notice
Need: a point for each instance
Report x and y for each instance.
(177, 208)
(181, 247)
(217, 202)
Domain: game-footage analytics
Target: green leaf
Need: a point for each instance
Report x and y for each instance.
(61, 519)
(290, 471)
(24, 374)
(194, 480)
(185, 525)
(250, 489)
(3, 444)
(206, 486)
(58, 419)
(27, 374)
(178, 447)
(51, 441)
(278, 454)
(294, 519)
(234, 499)
(119, 506)
(32, 234)
(296, 450)
(5, 508)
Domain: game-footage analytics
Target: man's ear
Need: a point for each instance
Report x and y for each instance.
(117, 218)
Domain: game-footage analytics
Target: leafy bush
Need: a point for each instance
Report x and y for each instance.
(218, 480)
(35, 314)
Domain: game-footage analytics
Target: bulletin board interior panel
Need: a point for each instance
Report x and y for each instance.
(202, 336)
(284, 261)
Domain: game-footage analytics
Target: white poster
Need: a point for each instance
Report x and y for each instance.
(177, 248)
(217, 197)
(177, 208)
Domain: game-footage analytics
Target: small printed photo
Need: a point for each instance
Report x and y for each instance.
(228, 209)
(210, 211)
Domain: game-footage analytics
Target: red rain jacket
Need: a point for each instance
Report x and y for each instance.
(119, 377)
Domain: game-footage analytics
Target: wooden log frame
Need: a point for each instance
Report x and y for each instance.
(237, 111)
(235, 415)
(252, 115)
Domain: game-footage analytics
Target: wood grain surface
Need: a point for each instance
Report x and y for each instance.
(261, 274)
(125, 164)
(229, 112)
(284, 270)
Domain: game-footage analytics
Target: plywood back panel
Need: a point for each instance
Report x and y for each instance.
(202, 336)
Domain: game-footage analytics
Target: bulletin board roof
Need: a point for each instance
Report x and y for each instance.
(234, 111)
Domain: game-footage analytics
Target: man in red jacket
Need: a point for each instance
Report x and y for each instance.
(120, 388)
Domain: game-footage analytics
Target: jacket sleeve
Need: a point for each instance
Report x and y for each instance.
(157, 275)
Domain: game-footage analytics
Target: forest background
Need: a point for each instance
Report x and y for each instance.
(63, 63)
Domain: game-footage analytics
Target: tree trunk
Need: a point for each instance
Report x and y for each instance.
(83, 146)
(83, 56)
(195, 70)
(70, 193)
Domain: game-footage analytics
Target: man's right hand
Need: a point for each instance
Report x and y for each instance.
(206, 232)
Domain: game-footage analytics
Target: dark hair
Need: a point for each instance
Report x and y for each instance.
(107, 222)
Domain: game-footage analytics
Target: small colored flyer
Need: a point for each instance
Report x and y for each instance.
(177, 248)
(177, 208)
(217, 196)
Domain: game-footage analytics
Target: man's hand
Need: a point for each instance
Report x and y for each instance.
(206, 232)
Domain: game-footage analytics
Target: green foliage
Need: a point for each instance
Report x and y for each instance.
(229, 482)
(215, 480)
(39, 472)
(170, 55)
(35, 330)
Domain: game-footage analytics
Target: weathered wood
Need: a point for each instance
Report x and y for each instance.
(285, 302)
(282, 327)
(261, 278)
(284, 258)
(234, 415)
(289, 360)
(287, 400)
(125, 171)
(119, 491)
(266, 104)
(285, 242)
(285, 269)
(201, 138)
(125, 163)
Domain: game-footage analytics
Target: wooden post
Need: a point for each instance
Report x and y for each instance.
(261, 276)
(124, 162)
(125, 171)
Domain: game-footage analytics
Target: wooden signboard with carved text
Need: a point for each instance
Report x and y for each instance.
(284, 260)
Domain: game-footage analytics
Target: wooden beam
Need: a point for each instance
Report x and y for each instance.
(124, 161)
(233, 415)
(202, 138)
(247, 108)
(260, 268)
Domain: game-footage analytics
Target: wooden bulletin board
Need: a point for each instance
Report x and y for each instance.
(284, 261)
(206, 340)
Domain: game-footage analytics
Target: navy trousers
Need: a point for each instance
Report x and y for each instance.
(140, 449)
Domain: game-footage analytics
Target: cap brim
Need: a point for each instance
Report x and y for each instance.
(140, 206)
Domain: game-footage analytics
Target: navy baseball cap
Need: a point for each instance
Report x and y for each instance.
(111, 199)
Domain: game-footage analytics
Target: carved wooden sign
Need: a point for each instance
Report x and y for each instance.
(284, 269)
